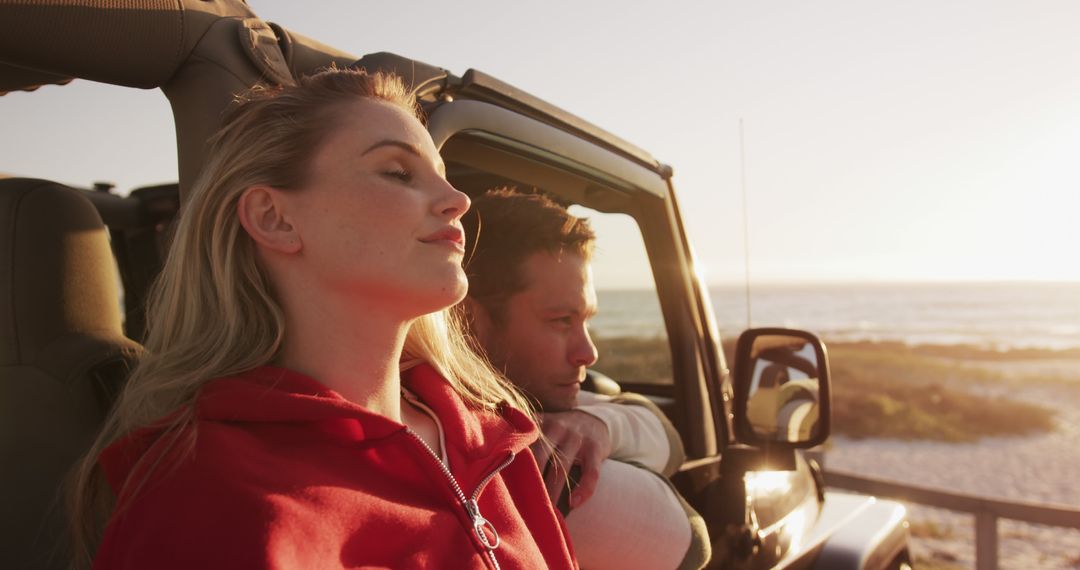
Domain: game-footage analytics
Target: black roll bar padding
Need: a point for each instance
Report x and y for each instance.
(15, 78)
(421, 78)
(305, 55)
(135, 43)
(192, 49)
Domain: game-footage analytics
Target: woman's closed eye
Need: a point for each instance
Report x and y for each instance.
(401, 174)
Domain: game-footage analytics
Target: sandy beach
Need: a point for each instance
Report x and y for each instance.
(1039, 468)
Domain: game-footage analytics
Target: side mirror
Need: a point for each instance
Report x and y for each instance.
(781, 388)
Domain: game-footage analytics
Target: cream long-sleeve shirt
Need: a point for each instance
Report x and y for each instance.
(639, 431)
(635, 519)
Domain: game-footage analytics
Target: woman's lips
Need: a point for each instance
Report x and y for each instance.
(450, 236)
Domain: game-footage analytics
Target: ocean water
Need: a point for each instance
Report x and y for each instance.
(1000, 316)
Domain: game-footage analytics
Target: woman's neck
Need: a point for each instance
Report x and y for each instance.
(356, 357)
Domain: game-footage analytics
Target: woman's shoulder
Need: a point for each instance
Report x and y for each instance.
(188, 497)
(199, 454)
(187, 515)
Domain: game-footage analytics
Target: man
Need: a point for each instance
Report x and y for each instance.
(530, 298)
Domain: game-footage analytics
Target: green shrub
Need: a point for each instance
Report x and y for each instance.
(637, 360)
(885, 390)
(905, 395)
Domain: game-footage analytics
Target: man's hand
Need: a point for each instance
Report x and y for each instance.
(579, 438)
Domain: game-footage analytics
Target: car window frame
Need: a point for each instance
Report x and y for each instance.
(598, 178)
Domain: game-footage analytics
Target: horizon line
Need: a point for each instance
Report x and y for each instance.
(860, 282)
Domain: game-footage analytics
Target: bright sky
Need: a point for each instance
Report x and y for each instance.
(919, 140)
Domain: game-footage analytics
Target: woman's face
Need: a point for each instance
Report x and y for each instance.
(378, 222)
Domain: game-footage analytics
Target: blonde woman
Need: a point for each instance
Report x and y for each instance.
(306, 401)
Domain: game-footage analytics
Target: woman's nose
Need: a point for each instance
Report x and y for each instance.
(452, 203)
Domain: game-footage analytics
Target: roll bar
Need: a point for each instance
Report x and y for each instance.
(198, 52)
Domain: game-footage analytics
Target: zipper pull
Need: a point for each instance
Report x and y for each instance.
(480, 523)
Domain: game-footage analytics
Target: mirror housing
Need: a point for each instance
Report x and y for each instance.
(781, 388)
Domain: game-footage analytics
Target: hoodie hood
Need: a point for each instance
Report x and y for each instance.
(279, 471)
(270, 397)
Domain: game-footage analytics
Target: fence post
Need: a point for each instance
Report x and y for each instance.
(986, 540)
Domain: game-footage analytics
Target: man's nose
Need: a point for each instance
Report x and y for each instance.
(583, 351)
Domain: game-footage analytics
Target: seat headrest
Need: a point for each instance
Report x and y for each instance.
(59, 297)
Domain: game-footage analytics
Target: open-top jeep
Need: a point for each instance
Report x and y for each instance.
(65, 340)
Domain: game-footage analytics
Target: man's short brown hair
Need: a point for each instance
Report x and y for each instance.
(505, 226)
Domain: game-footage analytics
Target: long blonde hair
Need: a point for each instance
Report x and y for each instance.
(212, 311)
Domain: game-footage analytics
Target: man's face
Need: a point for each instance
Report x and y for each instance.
(541, 342)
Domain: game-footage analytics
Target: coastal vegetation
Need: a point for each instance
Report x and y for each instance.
(634, 360)
(908, 395)
(966, 351)
(885, 390)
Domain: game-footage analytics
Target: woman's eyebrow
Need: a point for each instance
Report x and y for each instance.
(392, 142)
(411, 149)
(587, 312)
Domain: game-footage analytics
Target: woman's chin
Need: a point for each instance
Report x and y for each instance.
(460, 289)
(436, 299)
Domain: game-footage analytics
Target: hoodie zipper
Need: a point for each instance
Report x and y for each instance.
(469, 503)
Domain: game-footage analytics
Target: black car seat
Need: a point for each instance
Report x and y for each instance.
(63, 357)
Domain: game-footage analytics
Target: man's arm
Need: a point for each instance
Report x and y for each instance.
(626, 427)
(571, 438)
(656, 529)
(639, 431)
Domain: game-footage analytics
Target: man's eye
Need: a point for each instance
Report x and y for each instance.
(563, 321)
(400, 174)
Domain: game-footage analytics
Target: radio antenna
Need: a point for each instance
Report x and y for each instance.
(746, 222)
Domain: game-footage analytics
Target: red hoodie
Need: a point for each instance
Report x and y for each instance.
(285, 473)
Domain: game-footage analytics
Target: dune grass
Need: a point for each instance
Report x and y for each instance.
(636, 360)
(933, 563)
(965, 351)
(886, 390)
(905, 395)
(926, 528)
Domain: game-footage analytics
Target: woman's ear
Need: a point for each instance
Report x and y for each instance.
(261, 213)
